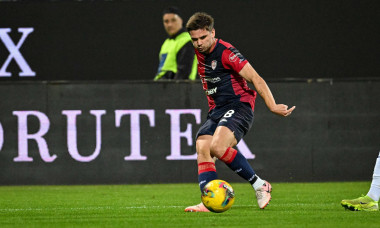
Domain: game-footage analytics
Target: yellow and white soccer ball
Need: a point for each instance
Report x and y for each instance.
(218, 196)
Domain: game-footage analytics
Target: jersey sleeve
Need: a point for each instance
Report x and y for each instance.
(232, 59)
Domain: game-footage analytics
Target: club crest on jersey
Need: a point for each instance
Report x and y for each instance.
(213, 64)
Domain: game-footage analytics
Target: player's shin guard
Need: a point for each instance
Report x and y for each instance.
(239, 164)
(206, 173)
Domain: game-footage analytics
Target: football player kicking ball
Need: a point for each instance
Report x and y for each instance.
(370, 201)
(224, 73)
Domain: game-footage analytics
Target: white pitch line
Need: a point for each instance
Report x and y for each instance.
(82, 208)
(97, 208)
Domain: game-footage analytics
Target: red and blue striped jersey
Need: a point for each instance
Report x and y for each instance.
(219, 72)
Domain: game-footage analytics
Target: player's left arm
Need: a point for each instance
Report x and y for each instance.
(250, 74)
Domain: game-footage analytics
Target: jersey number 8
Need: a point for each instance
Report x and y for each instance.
(229, 113)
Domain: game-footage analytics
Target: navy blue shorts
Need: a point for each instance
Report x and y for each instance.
(238, 117)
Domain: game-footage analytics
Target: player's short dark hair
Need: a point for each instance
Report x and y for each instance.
(200, 20)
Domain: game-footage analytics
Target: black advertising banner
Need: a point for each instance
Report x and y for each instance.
(103, 133)
(120, 40)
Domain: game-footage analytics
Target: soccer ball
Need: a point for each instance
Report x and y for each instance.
(218, 196)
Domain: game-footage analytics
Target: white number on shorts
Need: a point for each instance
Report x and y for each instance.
(229, 113)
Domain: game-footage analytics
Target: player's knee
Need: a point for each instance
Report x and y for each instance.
(217, 149)
(203, 153)
(202, 148)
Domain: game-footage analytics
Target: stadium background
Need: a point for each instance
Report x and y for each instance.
(321, 56)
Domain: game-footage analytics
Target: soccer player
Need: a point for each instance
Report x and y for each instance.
(224, 73)
(370, 201)
(177, 57)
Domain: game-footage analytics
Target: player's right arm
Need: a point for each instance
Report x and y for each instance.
(250, 74)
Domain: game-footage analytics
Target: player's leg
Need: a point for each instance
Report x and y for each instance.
(206, 168)
(206, 164)
(370, 201)
(222, 145)
(374, 191)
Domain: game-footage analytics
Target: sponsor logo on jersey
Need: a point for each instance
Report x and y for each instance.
(213, 64)
(233, 57)
(213, 80)
(235, 54)
(211, 91)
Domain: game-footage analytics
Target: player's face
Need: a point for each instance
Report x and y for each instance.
(172, 23)
(203, 40)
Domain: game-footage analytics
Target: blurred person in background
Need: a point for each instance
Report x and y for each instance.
(177, 56)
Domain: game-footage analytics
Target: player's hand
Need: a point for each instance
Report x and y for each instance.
(282, 110)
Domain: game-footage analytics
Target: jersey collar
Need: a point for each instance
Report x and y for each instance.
(216, 44)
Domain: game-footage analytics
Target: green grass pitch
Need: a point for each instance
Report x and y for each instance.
(162, 205)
